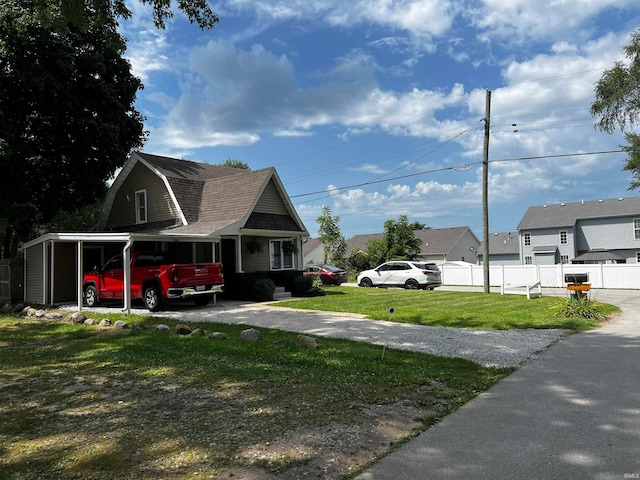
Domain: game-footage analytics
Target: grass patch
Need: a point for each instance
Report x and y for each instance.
(85, 402)
(490, 311)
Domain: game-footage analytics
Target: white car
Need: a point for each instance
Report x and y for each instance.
(401, 273)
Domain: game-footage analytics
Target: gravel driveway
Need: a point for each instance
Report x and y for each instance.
(503, 348)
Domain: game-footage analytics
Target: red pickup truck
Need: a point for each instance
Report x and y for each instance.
(155, 278)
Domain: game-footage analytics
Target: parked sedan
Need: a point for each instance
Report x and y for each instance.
(406, 274)
(329, 274)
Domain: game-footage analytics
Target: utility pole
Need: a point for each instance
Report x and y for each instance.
(485, 192)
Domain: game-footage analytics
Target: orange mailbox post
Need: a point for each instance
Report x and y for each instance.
(576, 284)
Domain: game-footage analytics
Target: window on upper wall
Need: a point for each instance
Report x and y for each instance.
(528, 260)
(563, 237)
(564, 258)
(527, 239)
(141, 206)
(636, 228)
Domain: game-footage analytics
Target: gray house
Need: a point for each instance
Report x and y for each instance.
(600, 231)
(197, 212)
(439, 245)
(504, 249)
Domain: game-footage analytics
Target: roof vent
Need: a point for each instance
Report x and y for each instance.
(620, 199)
(601, 201)
(545, 206)
(563, 204)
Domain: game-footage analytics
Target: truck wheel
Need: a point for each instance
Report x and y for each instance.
(90, 296)
(202, 300)
(152, 298)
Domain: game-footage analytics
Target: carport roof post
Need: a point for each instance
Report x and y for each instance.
(127, 238)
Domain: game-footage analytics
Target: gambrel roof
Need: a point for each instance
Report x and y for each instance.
(568, 214)
(211, 199)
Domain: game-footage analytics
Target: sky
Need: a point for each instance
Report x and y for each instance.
(376, 108)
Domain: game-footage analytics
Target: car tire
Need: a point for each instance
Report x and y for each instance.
(366, 282)
(411, 284)
(90, 296)
(152, 298)
(202, 300)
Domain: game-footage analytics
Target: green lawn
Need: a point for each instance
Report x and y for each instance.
(448, 309)
(85, 402)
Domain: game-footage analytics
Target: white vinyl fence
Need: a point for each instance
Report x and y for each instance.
(613, 276)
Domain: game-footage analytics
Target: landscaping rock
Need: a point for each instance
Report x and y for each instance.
(77, 317)
(26, 312)
(91, 321)
(161, 328)
(198, 332)
(251, 335)
(135, 326)
(105, 322)
(218, 336)
(39, 313)
(53, 316)
(308, 342)
(181, 329)
(17, 308)
(120, 324)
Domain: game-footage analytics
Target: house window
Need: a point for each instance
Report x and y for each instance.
(637, 257)
(528, 260)
(636, 228)
(527, 239)
(281, 259)
(563, 237)
(564, 258)
(141, 206)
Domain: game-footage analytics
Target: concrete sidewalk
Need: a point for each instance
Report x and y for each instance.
(572, 412)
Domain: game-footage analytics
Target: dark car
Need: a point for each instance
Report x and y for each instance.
(329, 274)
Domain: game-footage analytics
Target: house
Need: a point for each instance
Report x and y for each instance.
(438, 245)
(504, 249)
(196, 211)
(600, 231)
(313, 251)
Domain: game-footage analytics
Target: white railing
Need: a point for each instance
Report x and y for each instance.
(614, 276)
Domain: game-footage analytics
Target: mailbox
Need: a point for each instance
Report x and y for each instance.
(576, 277)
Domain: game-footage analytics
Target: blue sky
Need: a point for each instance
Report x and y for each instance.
(375, 108)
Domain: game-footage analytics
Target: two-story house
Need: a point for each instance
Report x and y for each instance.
(600, 231)
(503, 249)
(196, 211)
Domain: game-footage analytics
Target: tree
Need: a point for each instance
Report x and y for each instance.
(400, 240)
(617, 104)
(418, 226)
(329, 234)
(67, 116)
(233, 163)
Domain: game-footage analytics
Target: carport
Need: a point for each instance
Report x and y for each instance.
(55, 263)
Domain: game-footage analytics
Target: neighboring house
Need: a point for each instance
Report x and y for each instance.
(439, 245)
(600, 231)
(313, 251)
(504, 249)
(196, 211)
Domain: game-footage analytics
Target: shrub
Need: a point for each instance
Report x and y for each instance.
(307, 286)
(264, 289)
(577, 308)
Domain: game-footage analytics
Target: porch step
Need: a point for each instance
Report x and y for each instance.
(281, 294)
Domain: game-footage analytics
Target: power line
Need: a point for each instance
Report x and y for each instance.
(461, 167)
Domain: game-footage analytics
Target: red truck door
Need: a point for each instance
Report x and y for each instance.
(112, 279)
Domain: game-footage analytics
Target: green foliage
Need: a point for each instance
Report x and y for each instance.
(617, 103)
(449, 309)
(329, 234)
(67, 115)
(400, 240)
(307, 286)
(578, 308)
(264, 289)
(233, 163)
